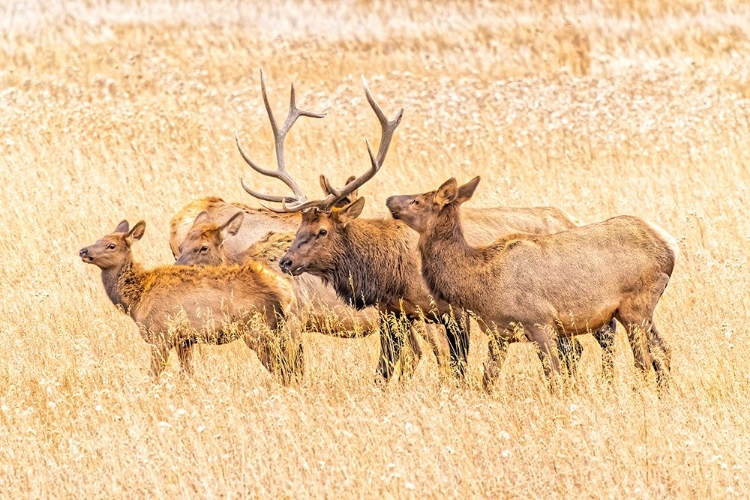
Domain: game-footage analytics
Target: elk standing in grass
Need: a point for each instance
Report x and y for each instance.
(210, 231)
(376, 262)
(178, 306)
(554, 285)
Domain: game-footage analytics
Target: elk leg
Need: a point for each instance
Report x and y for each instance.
(410, 357)
(547, 349)
(458, 342)
(391, 343)
(438, 340)
(159, 355)
(661, 356)
(570, 350)
(605, 337)
(637, 339)
(185, 353)
(497, 349)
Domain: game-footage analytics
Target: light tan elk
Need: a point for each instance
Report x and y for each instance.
(178, 306)
(547, 286)
(200, 235)
(374, 262)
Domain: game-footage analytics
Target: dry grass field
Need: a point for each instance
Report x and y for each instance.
(126, 109)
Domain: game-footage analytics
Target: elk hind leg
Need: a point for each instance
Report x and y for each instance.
(570, 350)
(410, 357)
(605, 337)
(544, 338)
(661, 355)
(497, 349)
(391, 344)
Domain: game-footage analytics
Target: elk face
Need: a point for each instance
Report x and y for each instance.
(317, 241)
(114, 249)
(203, 244)
(421, 211)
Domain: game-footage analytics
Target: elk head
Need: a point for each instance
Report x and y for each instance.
(202, 245)
(113, 250)
(322, 220)
(318, 239)
(421, 211)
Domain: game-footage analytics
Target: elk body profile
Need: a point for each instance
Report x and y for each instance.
(547, 286)
(178, 306)
(374, 262)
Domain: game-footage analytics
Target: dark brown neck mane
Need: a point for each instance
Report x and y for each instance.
(124, 285)
(371, 263)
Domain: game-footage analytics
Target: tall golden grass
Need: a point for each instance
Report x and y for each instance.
(115, 110)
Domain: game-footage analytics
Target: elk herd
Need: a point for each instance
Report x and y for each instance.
(264, 275)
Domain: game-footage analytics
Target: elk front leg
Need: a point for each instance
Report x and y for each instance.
(497, 349)
(457, 329)
(185, 353)
(159, 355)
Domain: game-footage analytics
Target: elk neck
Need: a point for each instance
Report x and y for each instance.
(124, 285)
(372, 262)
(446, 256)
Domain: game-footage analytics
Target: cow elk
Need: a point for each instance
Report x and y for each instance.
(178, 306)
(546, 286)
(375, 262)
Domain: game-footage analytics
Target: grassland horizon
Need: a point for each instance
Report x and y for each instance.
(126, 110)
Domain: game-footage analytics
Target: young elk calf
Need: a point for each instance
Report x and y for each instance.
(178, 306)
(553, 285)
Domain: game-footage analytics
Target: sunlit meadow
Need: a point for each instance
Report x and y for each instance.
(127, 109)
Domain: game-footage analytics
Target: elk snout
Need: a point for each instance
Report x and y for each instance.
(286, 265)
(84, 254)
(391, 204)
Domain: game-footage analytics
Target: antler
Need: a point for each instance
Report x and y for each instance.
(279, 137)
(388, 127)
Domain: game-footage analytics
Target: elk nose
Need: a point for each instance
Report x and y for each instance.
(285, 264)
(83, 252)
(389, 200)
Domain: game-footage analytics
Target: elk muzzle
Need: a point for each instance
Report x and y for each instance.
(395, 205)
(85, 256)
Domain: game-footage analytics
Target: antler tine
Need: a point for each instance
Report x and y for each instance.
(388, 127)
(279, 138)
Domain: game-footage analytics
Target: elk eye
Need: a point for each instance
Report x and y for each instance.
(322, 232)
(111, 246)
(415, 202)
(204, 249)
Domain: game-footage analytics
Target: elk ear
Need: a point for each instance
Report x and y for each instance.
(122, 227)
(324, 185)
(466, 191)
(350, 212)
(202, 218)
(136, 233)
(353, 196)
(232, 226)
(446, 193)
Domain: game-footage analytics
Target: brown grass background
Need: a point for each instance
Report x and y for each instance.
(126, 109)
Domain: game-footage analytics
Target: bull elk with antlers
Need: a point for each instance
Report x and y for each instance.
(375, 262)
(546, 286)
(178, 306)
